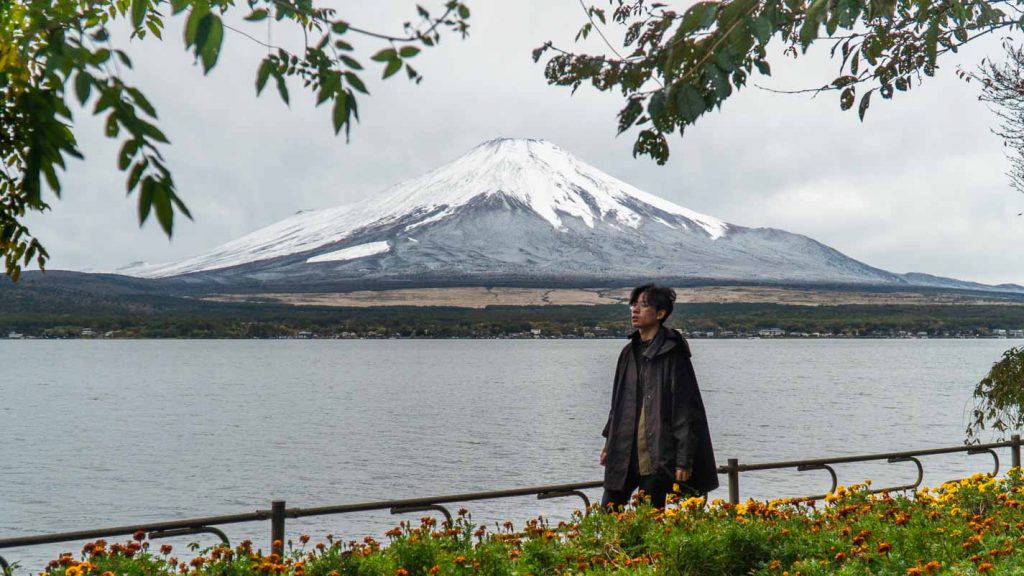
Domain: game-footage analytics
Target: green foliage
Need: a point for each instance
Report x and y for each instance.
(679, 66)
(999, 397)
(54, 50)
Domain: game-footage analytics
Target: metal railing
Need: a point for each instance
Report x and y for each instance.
(279, 513)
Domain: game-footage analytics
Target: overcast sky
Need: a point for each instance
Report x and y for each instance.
(919, 186)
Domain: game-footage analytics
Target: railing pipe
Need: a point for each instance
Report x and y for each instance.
(277, 516)
(279, 512)
(1015, 450)
(733, 470)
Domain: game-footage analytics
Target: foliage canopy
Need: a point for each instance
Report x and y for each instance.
(55, 50)
(678, 66)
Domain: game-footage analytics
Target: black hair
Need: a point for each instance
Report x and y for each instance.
(661, 297)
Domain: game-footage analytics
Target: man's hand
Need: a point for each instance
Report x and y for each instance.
(682, 474)
(604, 455)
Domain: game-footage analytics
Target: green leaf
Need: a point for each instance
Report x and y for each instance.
(209, 49)
(629, 114)
(282, 89)
(83, 86)
(51, 178)
(153, 132)
(931, 41)
(179, 5)
(761, 28)
(263, 74)
(689, 103)
(719, 82)
(809, 32)
(814, 16)
(385, 55)
(763, 67)
(865, 101)
(258, 15)
(136, 174)
(195, 16)
(128, 151)
(463, 11)
(846, 99)
(139, 8)
(162, 203)
(123, 57)
(339, 27)
(351, 62)
(656, 106)
(392, 67)
(142, 101)
(341, 112)
(177, 202)
(356, 82)
(112, 127)
(701, 15)
(408, 51)
(145, 199)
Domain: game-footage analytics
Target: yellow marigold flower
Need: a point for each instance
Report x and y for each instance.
(73, 571)
(692, 503)
(741, 509)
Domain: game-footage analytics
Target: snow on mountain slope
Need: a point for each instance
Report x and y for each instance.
(517, 212)
(550, 181)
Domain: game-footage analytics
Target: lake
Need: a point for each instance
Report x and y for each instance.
(105, 433)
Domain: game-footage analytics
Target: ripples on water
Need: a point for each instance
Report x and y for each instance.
(104, 433)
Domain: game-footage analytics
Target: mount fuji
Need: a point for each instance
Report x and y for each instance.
(518, 211)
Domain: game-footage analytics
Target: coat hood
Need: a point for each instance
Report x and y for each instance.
(665, 341)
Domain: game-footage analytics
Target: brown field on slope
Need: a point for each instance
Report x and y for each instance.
(482, 297)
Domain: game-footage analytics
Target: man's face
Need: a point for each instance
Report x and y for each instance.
(643, 315)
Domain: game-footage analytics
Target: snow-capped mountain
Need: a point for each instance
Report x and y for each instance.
(514, 210)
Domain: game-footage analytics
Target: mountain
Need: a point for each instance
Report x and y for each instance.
(518, 211)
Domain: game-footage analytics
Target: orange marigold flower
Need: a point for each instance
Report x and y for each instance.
(304, 538)
(434, 569)
(401, 572)
(914, 571)
(884, 548)
(932, 566)
(840, 557)
(166, 549)
(139, 535)
(985, 567)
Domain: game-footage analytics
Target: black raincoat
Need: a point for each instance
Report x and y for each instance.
(676, 426)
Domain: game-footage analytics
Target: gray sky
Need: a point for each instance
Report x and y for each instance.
(918, 187)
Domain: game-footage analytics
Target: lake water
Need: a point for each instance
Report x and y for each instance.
(105, 433)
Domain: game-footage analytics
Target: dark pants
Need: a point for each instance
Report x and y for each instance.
(656, 486)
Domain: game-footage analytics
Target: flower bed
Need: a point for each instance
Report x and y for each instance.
(972, 526)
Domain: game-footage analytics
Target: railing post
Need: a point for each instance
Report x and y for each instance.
(277, 527)
(1015, 451)
(734, 481)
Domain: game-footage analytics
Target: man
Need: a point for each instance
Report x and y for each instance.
(657, 432)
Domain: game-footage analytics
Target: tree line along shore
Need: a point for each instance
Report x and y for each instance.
(167, 317)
